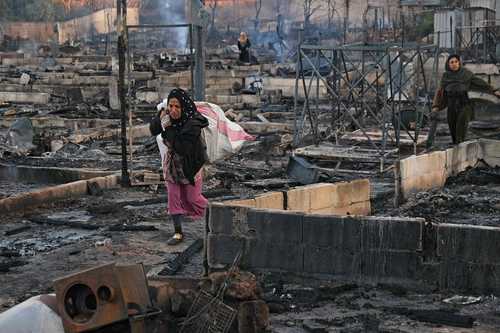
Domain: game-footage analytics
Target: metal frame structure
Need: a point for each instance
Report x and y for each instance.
(197, 69)
(367, 86)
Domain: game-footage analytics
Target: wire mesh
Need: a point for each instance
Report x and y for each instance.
(208, 314)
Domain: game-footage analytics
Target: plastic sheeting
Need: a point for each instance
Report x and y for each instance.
(223, 137)
(31, 316)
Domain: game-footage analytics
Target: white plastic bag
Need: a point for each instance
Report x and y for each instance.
(31, 316)
(223, 137)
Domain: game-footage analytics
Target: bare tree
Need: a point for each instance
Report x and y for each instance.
(258, 8)
(310, 7)
(347, 4)
(331, 6)
(212, 4)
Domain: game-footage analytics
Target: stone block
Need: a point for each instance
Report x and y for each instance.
(229, 220)
(222, 249)
(299, 199)
(389, 233)
(273, 200)
(328, 260)
(276, 226)
(275, 255)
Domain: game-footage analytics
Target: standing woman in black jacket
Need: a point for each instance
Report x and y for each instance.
(181, 126)
(244, 47)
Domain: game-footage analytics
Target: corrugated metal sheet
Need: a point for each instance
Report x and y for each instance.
(475, 19)
(425, 3)
(445, 24)
(489, 4)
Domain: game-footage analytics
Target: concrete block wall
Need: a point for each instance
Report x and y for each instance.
(430, 171)
(344, 198)
(466, 259)
(458, 258)
(490, 151)
(342, 246)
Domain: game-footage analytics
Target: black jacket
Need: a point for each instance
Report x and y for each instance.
(187, 142)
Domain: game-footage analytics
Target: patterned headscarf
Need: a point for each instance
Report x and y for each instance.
(188, 108)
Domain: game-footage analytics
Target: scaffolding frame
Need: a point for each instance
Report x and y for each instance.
(367, 85)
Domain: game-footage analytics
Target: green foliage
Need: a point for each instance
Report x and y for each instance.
(30, 10)
(425, 24)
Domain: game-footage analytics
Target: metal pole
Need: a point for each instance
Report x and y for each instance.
(192, 57)
(296, 91)
(199, 68)
(121, 7)
(484, 45)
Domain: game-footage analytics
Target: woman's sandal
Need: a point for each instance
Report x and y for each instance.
(176, 239)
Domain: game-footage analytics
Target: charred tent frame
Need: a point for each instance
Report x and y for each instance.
(372, 87)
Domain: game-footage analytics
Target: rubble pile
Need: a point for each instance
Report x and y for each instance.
(471, 197)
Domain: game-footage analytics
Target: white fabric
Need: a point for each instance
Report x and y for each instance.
(162, 105)
(31, 316)
(223, 137)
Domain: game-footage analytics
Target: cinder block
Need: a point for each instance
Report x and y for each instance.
(321, 196)
(229, 220)
(275, 226)
(430, 180)
(408, 167)
(327, 260)
(390, 264)
(299, 199)
(462, 156)
(389, 233)
(273, 200)
(275, 255)
(342, 194)
(423, 164)
(242, 202)
(222, 249)
(355, 209)
(484, 278)
(335, 232)
(490, 151)
(360, 190)
(454, 275)
(490, 147)
(475, 244)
